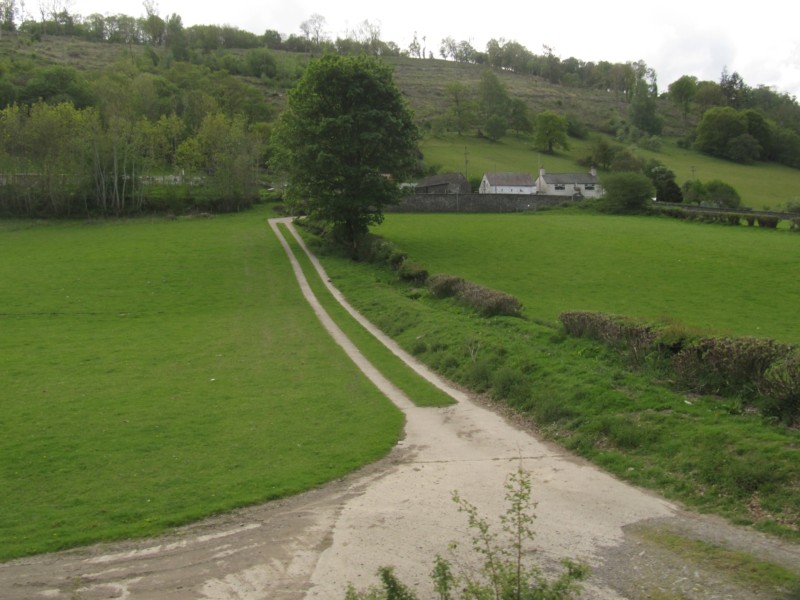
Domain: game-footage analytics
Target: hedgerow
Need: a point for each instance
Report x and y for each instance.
(618, 332)
(486, 301)
(759, 372)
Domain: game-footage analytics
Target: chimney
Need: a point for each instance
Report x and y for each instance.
(541, 171)
(593, 171)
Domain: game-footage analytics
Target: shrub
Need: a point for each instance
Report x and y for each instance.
(732, 219)
(769, 222)
(412, 271)
(794, 224)
(627, 193)
(445, 286)
(488, 302)
(375, 249)
(510, 384)
(618, 332)
(479, 375)
(726, 365)
(781, 387)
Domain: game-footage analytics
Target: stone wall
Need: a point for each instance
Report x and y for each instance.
(476, 203)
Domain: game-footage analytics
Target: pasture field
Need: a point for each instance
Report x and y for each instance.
(703, 451)
(155, 372)
(766, 186)
(721, 279)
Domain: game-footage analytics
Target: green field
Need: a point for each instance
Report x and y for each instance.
(156, 372)
(729, 280)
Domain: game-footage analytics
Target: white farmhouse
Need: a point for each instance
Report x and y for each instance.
(507, 183)
(586, 185)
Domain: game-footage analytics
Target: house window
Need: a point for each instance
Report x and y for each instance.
(560, 186)
(589, 186)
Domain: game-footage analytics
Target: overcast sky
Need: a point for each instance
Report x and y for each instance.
(760, 41)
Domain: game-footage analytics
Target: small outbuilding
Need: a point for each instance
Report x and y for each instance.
(446, 183)
(507, 183)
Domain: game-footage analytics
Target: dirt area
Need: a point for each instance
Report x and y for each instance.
(399, 512)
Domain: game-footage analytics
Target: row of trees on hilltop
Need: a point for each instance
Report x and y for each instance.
(738, 122)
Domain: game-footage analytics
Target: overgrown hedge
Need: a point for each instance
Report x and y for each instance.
(760, 372)
(375, 249)
(486, 301)
(727, 218)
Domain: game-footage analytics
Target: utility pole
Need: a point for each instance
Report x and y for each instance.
(466, 163)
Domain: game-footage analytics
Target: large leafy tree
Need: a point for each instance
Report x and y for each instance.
(626, 193)
(343, 141)
(494, 105)
(717, 128)
(682, 91)
(550, 131)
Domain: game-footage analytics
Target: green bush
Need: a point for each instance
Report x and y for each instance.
(756, 371)
(618, 332)
(375, 249)
(445, 286)
(412, 271)
(769, 222)
(488, 302)
(730, 366)
(510, 384)
(780, 386)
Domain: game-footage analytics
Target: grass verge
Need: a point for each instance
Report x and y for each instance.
(741, 567)
(419, 391)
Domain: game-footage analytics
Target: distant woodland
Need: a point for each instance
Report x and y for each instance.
(115, 115)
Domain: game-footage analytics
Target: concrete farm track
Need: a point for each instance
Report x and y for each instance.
(399, 512)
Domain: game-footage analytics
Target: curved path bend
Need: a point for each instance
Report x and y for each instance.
(399, 512)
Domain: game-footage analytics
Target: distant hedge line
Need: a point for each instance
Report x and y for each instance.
(730, 218)
(761, 372)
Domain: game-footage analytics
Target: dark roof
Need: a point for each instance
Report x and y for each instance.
(567, 178)
(447, 182)
(509, 179)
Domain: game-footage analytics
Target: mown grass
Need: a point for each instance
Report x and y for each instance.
(729, 280)
(701, 450)
(155, 372)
